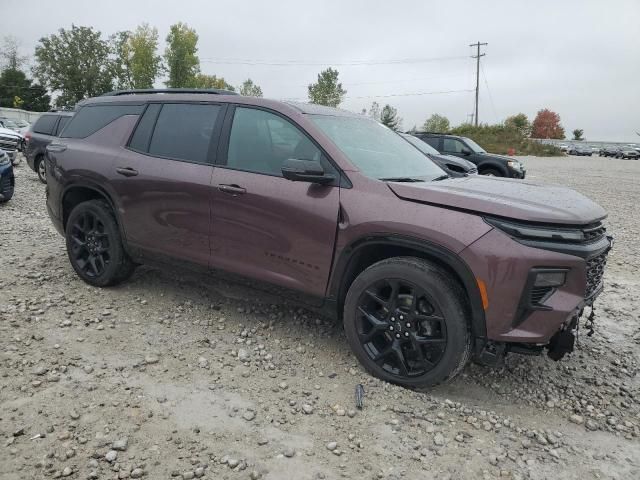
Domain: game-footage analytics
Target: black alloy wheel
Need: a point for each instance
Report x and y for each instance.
(407, 321)
(400, 328)
(90, 245)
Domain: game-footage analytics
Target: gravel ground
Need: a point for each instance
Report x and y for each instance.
(179, 377)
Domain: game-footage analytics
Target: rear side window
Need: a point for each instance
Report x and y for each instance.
(61, 124)
(45, 124)
(183, 131)
(433, 141)
(142, 136)
(92, 118)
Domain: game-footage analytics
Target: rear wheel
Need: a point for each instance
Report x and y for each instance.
(41, 169)
(94, 245)
(490, 172)
(405, 320)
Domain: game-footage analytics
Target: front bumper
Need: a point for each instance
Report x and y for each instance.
(505, 265)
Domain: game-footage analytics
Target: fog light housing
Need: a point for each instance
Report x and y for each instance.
(550, 278)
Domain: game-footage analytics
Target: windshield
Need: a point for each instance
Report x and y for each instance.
(377, 151)
(474, 146)
(424, 147)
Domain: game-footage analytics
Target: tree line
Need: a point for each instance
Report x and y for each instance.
(79, 62)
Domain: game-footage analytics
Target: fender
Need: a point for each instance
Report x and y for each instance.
(439, 253)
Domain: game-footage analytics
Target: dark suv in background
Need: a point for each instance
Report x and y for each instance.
(425, 270)
(39, 135)
(463, 147)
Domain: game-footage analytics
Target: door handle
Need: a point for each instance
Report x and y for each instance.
(56, 147)
(234, 190)
(127, 171)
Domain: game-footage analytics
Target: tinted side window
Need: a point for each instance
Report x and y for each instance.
(92, 118)
(452, 145)
(142, 136)
(61, 124)
(260, 141)
(433, 141)
(45, 124)
(183, 131)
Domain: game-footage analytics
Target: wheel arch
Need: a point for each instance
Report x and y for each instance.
(362, 253)
(77, 193)
(492, 165)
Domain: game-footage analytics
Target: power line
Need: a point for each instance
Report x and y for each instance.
(486, 83)
(302, 63)
(477, 57)
(399, 94)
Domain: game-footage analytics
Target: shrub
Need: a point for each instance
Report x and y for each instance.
(499, 139)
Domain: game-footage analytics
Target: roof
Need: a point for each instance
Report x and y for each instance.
(313, 109)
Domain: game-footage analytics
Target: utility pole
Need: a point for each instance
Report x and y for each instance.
(477, 57)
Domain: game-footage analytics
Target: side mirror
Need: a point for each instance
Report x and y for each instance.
(465, 151)
(305, 171)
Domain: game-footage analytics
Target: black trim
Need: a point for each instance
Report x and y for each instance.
(441, 254)
(143, 91)
(525, 306)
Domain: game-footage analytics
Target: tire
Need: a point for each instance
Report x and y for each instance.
(6, 189)
(490, 172)
(41, 169)
(92, 231)
(441, 329)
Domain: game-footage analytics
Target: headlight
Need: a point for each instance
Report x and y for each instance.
(515, 165)
(537, 233)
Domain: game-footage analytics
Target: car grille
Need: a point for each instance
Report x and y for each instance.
(9, 142)
(595, 271)
(593, 232)
(472, 171)
(538, 294)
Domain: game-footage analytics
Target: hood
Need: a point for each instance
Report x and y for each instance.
(504, 158)
(455, 160)
(6, 131)
(503, 197)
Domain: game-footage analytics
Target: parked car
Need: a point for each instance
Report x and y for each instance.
(564, 148)
(454, 166)
(580, 150)
(10, 143)
(9, 123)
(7, 179)
(609, 151)
(424, 270)
(627, 152)
(463, 147)
(39, 135)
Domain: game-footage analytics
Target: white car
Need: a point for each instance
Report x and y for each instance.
(11, 142)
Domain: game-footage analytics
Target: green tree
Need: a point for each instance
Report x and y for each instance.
(250, 89)
(389, 118)
(14, 83)
(520, 123)
(327, 90)
(436, 123)
(577, 134)
(74, 62)
(181, 56)
(203, 80)
(137, 64)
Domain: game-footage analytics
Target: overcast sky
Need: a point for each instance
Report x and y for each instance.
(580, 58)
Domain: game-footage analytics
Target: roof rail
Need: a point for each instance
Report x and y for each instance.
(141, 91)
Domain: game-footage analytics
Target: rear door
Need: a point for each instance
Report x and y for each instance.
(264, 226)
(163, 180)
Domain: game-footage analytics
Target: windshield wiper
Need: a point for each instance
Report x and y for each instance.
(441, 177)
(401, 179)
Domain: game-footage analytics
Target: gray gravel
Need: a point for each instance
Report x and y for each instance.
(174, 376)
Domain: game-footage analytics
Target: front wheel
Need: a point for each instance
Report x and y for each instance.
(405, 320)
(94, 245)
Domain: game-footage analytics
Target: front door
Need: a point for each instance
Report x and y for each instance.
(163, 181)
(264, 226)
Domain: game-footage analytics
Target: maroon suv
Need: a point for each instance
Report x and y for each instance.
(424, 269)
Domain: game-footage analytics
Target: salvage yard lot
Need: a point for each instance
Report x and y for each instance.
(172, 376)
